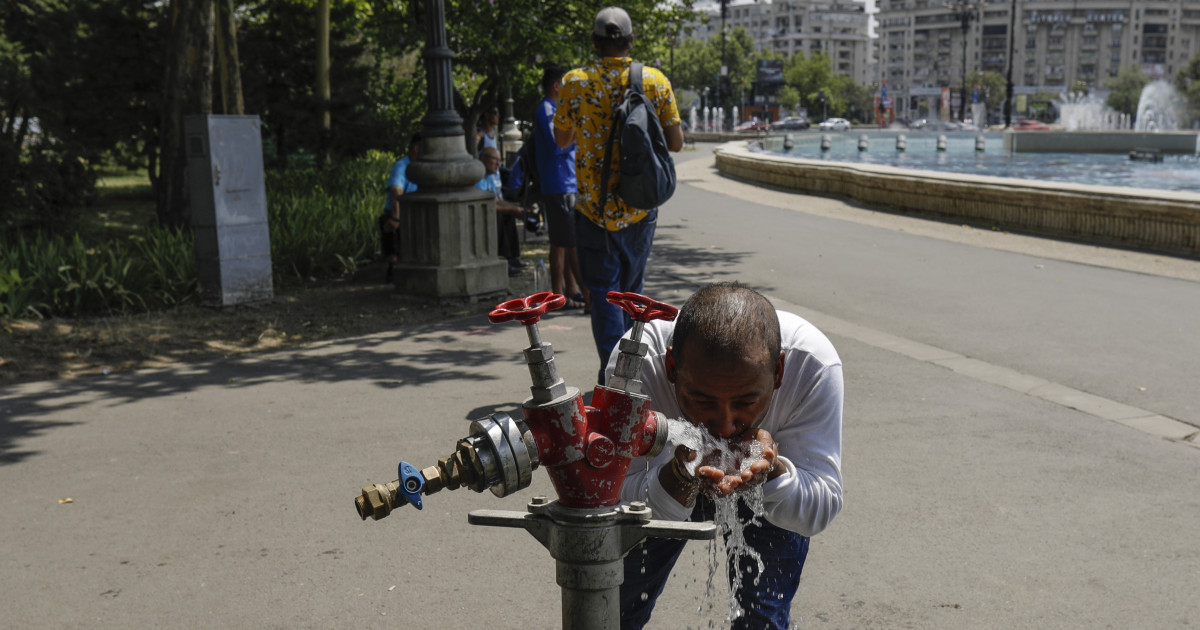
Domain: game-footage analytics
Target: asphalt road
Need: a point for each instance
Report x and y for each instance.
(1019, 448)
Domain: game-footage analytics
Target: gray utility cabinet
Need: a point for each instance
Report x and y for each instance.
(229, 209)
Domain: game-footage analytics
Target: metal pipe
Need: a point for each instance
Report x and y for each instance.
(589, 546)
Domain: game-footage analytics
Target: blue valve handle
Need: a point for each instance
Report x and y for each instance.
(411, 484)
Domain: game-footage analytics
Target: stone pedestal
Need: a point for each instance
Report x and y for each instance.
(449, 247)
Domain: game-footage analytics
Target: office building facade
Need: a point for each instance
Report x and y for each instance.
(924, 46)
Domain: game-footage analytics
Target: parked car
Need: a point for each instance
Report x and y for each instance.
(791, 123)
(835, 124)
(750, 126)
(1029, 125)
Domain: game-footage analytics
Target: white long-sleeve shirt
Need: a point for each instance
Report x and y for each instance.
(804, 418)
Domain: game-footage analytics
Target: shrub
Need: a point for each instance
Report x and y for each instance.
(322, 221)
(49, 275)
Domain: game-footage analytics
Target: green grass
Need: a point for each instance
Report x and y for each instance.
(124, 206)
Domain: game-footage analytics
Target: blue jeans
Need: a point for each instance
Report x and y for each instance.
(768, 604)
(612, 261)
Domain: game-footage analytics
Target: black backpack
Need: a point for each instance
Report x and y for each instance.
(647, 172)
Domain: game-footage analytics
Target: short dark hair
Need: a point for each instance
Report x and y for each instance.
(550, 76)
(613, 46)
(727, 320)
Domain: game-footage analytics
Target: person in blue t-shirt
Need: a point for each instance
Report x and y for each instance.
(556, 179)
(389, 222)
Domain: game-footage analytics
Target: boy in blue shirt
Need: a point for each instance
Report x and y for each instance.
(398, 184)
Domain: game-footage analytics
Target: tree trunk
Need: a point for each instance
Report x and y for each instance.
(230, 85)
(323, 91)
(188, 91)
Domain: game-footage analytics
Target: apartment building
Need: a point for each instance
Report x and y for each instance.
(839, 28)
(925, 45)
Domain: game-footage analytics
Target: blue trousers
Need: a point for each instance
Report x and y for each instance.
(768, 604)
(612, 261)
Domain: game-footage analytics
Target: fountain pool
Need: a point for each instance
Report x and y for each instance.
(1179, 173)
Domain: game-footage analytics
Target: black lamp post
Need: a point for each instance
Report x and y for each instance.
(721, 94)
(1012, 51)
(965, 11)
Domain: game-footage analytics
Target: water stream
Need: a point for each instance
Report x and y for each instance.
(720, 453)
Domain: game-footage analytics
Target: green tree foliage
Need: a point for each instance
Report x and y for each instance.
(788, 98)
(278, 48)
(1187, 83)
(991, 88)
(1126, 89)
(814, 76)
(808, 74)
(79, 83)
(697, 64)
(502, 43)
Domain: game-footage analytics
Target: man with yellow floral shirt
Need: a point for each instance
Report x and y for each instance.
(613, 238)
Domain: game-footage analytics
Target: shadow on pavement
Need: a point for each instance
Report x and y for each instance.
(393, 361)
(401, 360)
(703, 265)
(669, 246)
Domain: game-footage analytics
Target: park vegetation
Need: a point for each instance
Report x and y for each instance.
(89, 87)
(94, 86)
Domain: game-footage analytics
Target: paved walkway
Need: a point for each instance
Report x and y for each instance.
(221, 494)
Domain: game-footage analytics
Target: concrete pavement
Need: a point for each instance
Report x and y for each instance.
(220, 494)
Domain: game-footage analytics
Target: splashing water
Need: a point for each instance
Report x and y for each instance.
(1088, 112)
(720, 453)
(1159, 108)
(736, 547)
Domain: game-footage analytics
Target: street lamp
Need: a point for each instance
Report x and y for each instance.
(965, 11)
(721, 95)
(1012, 51)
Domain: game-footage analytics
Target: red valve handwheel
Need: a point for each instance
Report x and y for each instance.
(642, 308)
(527, 310)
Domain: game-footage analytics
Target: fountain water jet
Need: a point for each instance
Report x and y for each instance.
(979, 115)
(1160, 108)
(1088, 112)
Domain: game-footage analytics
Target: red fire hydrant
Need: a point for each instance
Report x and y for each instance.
(586, 450)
